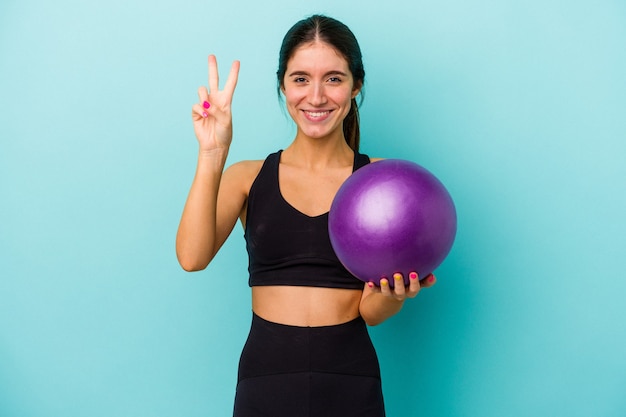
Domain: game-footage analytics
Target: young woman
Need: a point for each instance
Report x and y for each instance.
(308, 352)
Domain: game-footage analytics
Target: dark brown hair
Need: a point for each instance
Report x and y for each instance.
(340, 37)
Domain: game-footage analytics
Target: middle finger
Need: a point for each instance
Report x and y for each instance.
(398, 284)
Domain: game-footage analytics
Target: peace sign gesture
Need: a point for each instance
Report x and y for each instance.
(212, 117)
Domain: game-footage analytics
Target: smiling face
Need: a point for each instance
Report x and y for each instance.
(318, 88)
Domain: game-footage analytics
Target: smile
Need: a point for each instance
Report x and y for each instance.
(317, 115)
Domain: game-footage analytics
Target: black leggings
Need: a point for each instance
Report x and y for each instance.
(296, 371)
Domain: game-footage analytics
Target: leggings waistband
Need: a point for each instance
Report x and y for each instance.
(274, 348)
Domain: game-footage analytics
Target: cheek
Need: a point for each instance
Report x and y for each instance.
(343, 97)
(293, 96)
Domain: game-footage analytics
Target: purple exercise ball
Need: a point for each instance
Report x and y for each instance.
(392, 216)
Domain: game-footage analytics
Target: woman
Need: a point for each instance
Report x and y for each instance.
(308, 352)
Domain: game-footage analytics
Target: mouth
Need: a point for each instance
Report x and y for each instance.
(317, 116)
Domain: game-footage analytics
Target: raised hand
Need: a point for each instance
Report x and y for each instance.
(212, 116)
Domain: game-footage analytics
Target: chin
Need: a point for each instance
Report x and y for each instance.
(320, 133)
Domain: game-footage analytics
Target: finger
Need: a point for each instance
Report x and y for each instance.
(384, 287)
(371, 287)
(414, 283)
(213, 75)
(398, 285)
(203, 94)
(233, 76)
(199, 112)
(429, 281)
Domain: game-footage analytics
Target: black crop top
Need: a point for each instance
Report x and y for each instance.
(285, 246)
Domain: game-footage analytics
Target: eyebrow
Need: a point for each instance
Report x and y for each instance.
(333, 72)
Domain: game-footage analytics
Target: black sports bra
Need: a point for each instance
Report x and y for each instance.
(285, 246)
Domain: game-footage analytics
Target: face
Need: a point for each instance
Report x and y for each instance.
(318, 88)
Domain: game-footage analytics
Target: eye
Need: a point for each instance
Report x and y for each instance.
(334, 80)
(299, 80)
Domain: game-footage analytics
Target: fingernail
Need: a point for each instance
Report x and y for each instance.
(205, 114)
(397, 276)
(206, 104)
(431, 278)
(413, 275)
(370, 284)
(383, 282)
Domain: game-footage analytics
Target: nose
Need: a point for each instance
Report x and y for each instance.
(317, 96)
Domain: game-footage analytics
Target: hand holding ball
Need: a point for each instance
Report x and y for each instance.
(392, 216)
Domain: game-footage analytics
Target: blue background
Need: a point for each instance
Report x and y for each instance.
(518, 107)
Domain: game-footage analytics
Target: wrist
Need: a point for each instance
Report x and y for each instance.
(213, 156)
(211, 162)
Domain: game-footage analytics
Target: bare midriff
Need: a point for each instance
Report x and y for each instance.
(305, 306)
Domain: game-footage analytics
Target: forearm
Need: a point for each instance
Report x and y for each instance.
(375, 307)
(196, 238)
(380, 303)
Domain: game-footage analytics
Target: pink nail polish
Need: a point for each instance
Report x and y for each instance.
(205, 114)
(431, 278)
(413, 275)
(370, 284)
(206, 104)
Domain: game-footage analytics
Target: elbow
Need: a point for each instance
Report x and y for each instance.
(190, 264)
(191, 267)
(191, 259)
(370, 321)
(375, 316)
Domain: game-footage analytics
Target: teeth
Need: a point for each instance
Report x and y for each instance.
(317, 114)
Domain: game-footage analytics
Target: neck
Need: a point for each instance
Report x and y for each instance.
(318, 153)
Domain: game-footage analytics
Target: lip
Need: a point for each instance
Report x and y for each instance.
(317, 115)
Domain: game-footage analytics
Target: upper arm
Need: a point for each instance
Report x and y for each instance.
(232, 197)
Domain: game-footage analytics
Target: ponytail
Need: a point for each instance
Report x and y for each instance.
(351, 129)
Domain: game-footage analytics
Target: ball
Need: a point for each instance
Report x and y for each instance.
(392, 216)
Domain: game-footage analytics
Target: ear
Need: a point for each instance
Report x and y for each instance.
(357, 88)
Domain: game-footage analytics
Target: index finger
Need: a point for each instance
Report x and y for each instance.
(213, 75)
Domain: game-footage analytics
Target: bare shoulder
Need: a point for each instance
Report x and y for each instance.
(242, 174)
(247, 167)
(376, 159)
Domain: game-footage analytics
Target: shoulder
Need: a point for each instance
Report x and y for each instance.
(245, 167)
(244, 170)
(376, 159)
(241, 175)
